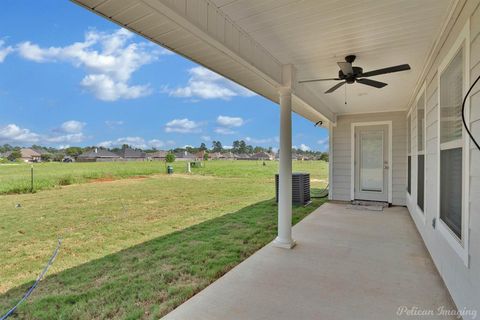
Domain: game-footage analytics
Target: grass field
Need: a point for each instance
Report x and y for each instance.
(16, 178)
(133, 248)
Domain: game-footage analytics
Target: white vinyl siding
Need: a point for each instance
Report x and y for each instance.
(342, 154)
(458, 266)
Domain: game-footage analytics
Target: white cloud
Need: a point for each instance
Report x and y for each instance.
(72, 126)
(70, 138)
(12, 133)
(182, 126)
(227, 121)
(69, 132)
(4, 51)
(206, 84)
(136, 142)
(323, 143)
(107, 89)
(109, 59)
(304, 147)
(206, 138)
(113, 123)
(222, 130)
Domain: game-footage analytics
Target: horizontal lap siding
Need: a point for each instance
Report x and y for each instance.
(342, 154)
(463, 282)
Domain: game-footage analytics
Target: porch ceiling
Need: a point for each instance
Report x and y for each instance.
(313, 35)
(249, 42)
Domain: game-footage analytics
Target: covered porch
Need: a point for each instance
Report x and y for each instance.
(348, 264)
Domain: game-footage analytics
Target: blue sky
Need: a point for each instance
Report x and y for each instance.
(69, 77)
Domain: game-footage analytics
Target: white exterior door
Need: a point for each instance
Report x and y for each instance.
(371, 163)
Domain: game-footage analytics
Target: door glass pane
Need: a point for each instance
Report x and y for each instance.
(371, 161)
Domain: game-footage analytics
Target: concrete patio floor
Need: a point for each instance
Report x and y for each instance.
(348, 264)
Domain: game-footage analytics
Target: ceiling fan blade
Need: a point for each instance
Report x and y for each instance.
(398, 68)
(346, 67)
(315, 80)
(335, 87)
(372, 83)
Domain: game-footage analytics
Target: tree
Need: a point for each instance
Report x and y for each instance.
(73, 151)
(324, 156)
(217, 146)
(16, 154)
(203, 147)
(242, 148)
(169, 158)
(205, 156)
(46, 157)
(58, 157)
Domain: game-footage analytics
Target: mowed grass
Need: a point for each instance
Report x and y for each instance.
(16, 178)
(136, 248)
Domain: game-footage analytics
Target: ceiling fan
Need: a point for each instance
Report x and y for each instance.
(351, 74)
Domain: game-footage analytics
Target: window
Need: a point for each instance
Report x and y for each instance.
(451, 143)
(421, 151)
(409, 155)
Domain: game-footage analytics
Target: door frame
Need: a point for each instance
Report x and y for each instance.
(352, 157)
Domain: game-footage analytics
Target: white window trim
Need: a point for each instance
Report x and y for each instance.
(409, 154)
(390, 156)
(420, 213)
(460, 246)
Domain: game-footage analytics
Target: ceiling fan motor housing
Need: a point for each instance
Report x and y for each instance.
(350, 78)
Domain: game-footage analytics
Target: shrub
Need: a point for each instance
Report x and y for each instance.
(169, 158)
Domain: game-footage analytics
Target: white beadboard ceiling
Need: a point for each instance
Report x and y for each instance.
(315, 34)
(248, 41)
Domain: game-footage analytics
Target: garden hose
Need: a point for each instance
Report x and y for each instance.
(34, 285)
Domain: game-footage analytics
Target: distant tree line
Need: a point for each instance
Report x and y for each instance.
(238, 147)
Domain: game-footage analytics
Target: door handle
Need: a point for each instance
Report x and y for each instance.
(386, 166)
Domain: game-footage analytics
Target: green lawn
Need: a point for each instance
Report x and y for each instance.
(16, 178)
(134, 248)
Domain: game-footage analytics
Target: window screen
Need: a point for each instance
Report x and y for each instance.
(409, 183)
(421, 123)
(409, 150)
(451, 96)
(451, 189)
(451, 158)
(421, 150)
(421, 181)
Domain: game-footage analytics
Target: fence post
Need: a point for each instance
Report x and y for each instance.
(31, 179)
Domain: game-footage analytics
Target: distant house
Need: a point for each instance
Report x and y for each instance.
(228, 156)
(157, 155)
(129, 154)
(30, 155)
(185, 156)
(263, 156)
(200, 155)
(215, 156)
(243, 156)
(98, 155)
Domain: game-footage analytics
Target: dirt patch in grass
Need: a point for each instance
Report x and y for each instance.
(110, 179)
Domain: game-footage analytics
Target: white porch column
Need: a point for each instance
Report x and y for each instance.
(284, 238)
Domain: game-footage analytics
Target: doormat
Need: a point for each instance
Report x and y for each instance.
(367, 205)
(367, 208)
